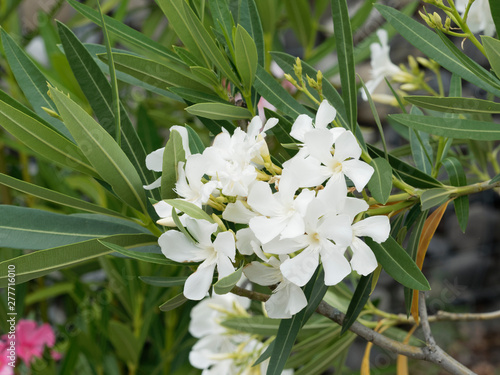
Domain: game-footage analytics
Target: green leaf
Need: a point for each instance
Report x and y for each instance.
(145, 257)
(299, 16)
(54, 196)
(127, 346)
(343, 38)
(173, 303)
(219, 111)
(173, 154)
(245, 56)
(102, 151)
(454, 104)
(412, 249)
(421, 150)
(196, 145)
(222, 16)
(32, 81)
(43, 262)
(126, 33)
(249, 18)
(398, 264)
(380, 184)
(495, 13)
(450, 127)
(33, 229)
(267, 86)
(207, 76)
(408, 173)
(262, 325)
(193, 96)
(226, 284)
(206, 43)
(189, 209)
(154, 73)
(35, 133)
(434, 197)
(165, 282)
(432, 46)
(492, 47)
(359, 299)
(458, 178)
(495, 179)
(98, 91)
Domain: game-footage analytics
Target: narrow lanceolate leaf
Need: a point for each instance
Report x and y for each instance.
(434, 197)
(495, 179)
(412, 249)
(226, 284)
(219, 111)
(173, 303)
(432, 46)
(126, 33)
(207, 44)
(174, 154)
(32, 229)
(246, 58)
(454, 104)
(32, 82)
(421, 150)
(398, 264)
(343, 38)
(428, 231)
(164, 282)
(267, 86)
(154, 73)
(452, 128)
(458, 178)
(54, 196)
(146, 257)
(380, 184)
(189, 209)
(102, 151)
(127, 345)
(249, 18)
(98, 92)
(222, 16)
(492, 47)
(495, 12)
(35, 133)
(358, 301)
(43, 262)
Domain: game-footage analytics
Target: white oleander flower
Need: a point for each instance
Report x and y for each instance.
(479, 17)
(382, 66)
(220, 253)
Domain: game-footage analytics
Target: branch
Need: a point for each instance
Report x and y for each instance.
(433, 354)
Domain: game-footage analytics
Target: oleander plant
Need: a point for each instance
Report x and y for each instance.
(192, 195)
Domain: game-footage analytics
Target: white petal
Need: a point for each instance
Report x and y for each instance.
(300, 269)
(245, 241)
(334, 194)
(153, 185)
(376, 227)
(163, 209)
(261, 274)
(346, 146)
(319, 143)
(184, 136)
(265, 229)
(285, 245)
(301, 126)
(337, 132)
(363, 260)
(224, 266)
(335, 264)
(353, 206)
(271, 123)
(287, 301)
(302, 201)
(294, 226)
(238, 213)
(200, 229)
(154, 160)
(261, 199)
(325, 115)
(175, 246)
(224, 244)
(358, 172)
(254, 127)
(198, 284)
(337, 228)
(307, 172)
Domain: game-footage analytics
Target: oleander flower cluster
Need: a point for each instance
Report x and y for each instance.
(278, 221)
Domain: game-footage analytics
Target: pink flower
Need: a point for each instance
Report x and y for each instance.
(31, 340)
(5, 369)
